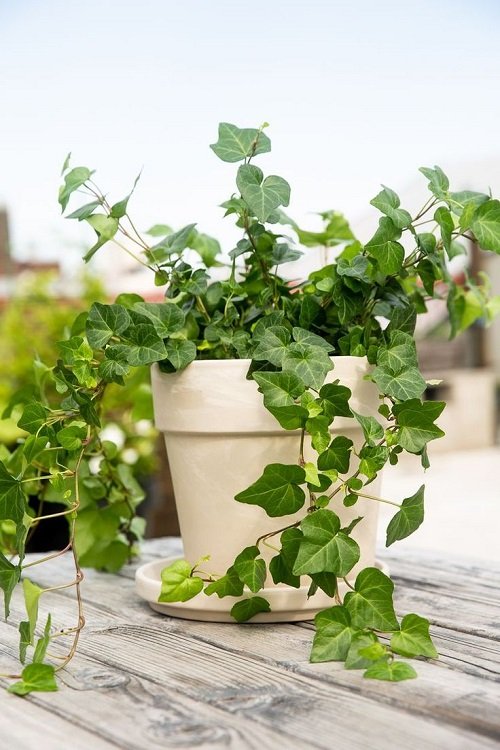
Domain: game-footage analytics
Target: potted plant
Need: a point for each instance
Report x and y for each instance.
(288, 395)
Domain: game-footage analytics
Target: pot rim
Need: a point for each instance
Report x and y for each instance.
(231, 362)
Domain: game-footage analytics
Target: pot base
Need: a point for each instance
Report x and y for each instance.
(287, 604)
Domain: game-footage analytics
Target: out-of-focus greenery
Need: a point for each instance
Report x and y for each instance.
(34, 319)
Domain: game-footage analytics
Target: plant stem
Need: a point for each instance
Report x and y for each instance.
(374, 497)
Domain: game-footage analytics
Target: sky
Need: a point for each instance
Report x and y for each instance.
(356, 93)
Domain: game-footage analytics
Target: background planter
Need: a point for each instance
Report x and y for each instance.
(219, 438)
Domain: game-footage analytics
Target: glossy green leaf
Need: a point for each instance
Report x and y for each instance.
(370, 604)
(250, 568)
(32, 594)
(9, 578)
(277, 490)
(360, 640)
(334, 400)
(105, 321)
(279, 388)
(281, 566)
(12, 498)
(334, 633)
(310, 363)
(387, 201)
(486, 225)
(408, 518)
(166, 318)
(33, 417)
(372, 429)
(273, 345)
(391, 671)
(416, 423)
(178, 584)
(72, 181)
(180, 352)
(248, 608)
(105, 227)
(406, 384)
(227, 585)
(413, 638)
(71, 437)
(337, 456)
(35, 678)
(263, 196)
(324, 548)
(235, 144)
(438, 181)
(42, 643)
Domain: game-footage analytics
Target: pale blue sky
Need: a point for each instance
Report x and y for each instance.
(357, 93)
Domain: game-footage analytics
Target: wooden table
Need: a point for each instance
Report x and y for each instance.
(143, 681)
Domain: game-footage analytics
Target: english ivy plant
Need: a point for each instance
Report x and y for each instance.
(363, 303)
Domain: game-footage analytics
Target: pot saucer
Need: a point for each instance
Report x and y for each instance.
(287, 604)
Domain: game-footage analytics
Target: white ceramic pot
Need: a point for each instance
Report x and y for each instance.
(219, 438)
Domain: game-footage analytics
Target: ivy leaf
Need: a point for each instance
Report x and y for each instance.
(413, 638)
(290, 417)
(175, 242)
(85, 211)
(105, 227)
(370, 604)
(178, 583)
(228, 585)
(486, 225)
(301, 336)
(250, 570)
(263, 196)
(143, 347)
(387, 201)
(72, 181)
(383, 246)
(33, 417)
(334, 400)
(416, 423)
(327, 582)
(119, 209)
(334, 633)
(208, 248)
(33, 446)
(360, 640)
(35, 678)
(438, 181)
(392, 671)
(281, 566)
(12, 498)
(309, 363)
(42, 643)
(399, 354)
(372, 429)
(273, 345)
(372, 460)
(408, 518)
(279, 388)
(337, 456)
(406, 384)
(318, 428)
(447, 225)
(24, 640)
(324, 548)
(32, 594)
(235, 144)
(105, 321)
(9, 578)
(180, 352)
(248, 608)
(277, 490)
(166, 318)
(71, 437)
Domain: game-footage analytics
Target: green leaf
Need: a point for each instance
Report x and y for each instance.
(486, 225)
(277, 490)
(166, 318)
(387, 201)
(279, 388)
(334, 633)
(105, 321)
(372, 460)
(178, 583)
(33, 446)
(42, 643)
(310, 363)
(24, 640)
(12, 498)
(208, 248)
(248, 608)
(180, 352)
(327, 582)
(406, 384)
(281, 566)
(356, 268)
(273, 345)
(35, 678)
(250, 570)
(290, 417)
(33, 417)
(72, 181)
(446, 223)
(413, 638)
(228, 585)
(360, 640)
(370, 604)
(416, 423)
(399, 354)
(71, 437)
(388, 253)
(85, 211)
(263, 196)
(372, 429)
(408, 518)
(9, 578)
(337, 456)
(392, 671)
(119, 209)
(144, 348)
(105, 227)
(324, 548)
(438, 181)
(32, 594)
(235, 144)
(301, 336)
(334, 400)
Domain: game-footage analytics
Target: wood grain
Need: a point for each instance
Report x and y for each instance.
(142, 680)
